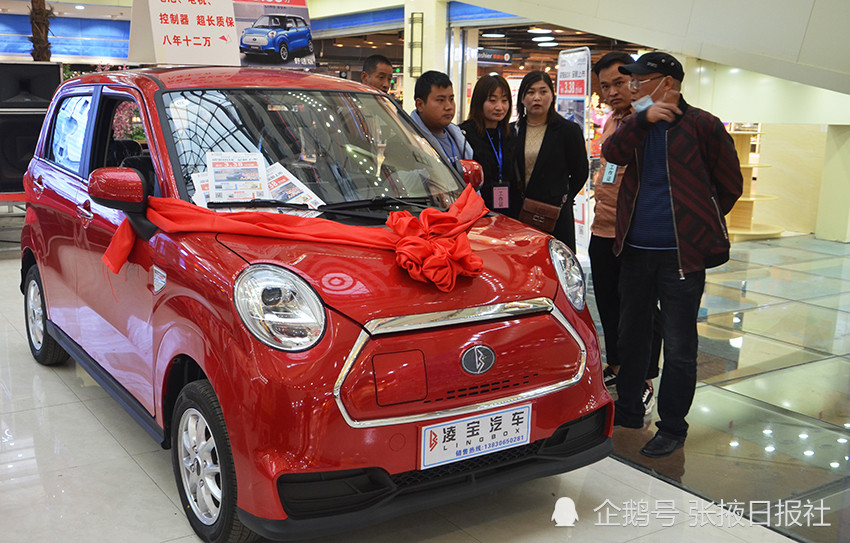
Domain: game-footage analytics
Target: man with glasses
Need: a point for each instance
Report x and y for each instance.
(604, 265)
(682, 176)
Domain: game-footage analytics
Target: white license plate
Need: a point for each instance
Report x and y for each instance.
(462, 439)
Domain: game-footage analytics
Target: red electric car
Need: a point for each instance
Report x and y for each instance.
(263, 320)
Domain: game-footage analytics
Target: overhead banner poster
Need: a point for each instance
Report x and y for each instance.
(573, 89)
(222, 33)
(274, 33)
(184, 32)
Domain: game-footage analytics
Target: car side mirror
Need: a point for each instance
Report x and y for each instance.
(473, 173)
(123, 189)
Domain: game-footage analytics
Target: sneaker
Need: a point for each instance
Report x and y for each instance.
(648, 398)
(609, 377)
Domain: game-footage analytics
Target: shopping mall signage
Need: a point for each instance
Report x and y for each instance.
(211, 31)
(494, 56)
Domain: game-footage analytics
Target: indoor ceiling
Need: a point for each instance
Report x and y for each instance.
(352, 50)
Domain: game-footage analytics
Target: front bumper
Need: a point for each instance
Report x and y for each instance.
(326, 503)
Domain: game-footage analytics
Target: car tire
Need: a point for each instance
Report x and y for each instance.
(203, 466)
(43, 347)
(284, 52)
(310, 47)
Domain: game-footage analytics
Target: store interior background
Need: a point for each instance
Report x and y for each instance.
(775, 65)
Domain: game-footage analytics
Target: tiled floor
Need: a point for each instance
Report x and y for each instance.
(75, 467)
(770, 423)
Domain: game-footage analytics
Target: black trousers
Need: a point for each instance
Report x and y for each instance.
(647, 277)
(605, 270)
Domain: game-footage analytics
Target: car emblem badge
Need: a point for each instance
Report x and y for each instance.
(478, 359)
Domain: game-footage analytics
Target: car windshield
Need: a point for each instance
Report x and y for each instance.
(267, 22)
(333, 146)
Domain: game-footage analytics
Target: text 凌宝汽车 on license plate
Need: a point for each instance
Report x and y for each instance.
(478, 435)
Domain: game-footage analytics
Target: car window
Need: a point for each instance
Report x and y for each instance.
(264, 22)
(69, 129)
(300, 23)
(342, 146)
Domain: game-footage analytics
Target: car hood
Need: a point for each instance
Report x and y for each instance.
(261, 30)
(366, 284)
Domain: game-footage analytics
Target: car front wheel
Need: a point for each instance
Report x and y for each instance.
(310, 47)
(284, 52)
(43, 347)
(203, 466)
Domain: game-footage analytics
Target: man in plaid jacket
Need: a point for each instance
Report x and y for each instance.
(682, 177)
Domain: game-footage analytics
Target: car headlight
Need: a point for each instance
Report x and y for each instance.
(272, 33)
(279, 307)
(569, 272)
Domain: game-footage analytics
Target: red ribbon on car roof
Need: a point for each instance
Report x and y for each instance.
(432, 247)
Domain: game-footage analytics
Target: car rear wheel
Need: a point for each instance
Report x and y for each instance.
(43, 347)
(284, 52)
(203, 466)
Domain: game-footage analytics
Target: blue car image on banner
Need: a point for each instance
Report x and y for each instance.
(279, 35)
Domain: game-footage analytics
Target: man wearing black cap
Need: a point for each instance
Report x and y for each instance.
(682, 176)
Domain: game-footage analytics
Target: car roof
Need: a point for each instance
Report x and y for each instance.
(205, 77)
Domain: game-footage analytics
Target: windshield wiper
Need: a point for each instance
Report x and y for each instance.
(378, 202)
(257, 202)
(266, 202)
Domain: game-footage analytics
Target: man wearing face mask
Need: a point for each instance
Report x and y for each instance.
(682, 176)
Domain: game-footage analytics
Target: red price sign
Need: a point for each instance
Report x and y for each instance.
(571, 87)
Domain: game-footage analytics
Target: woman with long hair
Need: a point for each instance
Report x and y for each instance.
(488, 132)
(550, 157)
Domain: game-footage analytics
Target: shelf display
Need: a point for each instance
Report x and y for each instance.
(739, 221)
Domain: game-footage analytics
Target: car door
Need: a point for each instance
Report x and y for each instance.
(115, 309)
(303, 32)
(292, 34)
(56, 176)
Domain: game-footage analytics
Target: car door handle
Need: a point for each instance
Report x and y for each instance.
(38, 185)
(85, 213)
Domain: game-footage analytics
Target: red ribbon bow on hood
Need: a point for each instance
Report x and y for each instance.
(432, 248)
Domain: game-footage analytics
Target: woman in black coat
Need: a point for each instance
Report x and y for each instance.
(550, 157)
(488, 132)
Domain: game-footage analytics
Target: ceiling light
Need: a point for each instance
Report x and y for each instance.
(387, 43)
(522, 66)
(809, 452)
(536, 30)
(543, 38)
(558, 31)
(770, 448)
(78, 6)
(337, 45)
(548, 44)
(492, 35)
(834, 465)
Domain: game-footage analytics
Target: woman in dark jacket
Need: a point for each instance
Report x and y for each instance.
(550, 157)
(488, 133)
